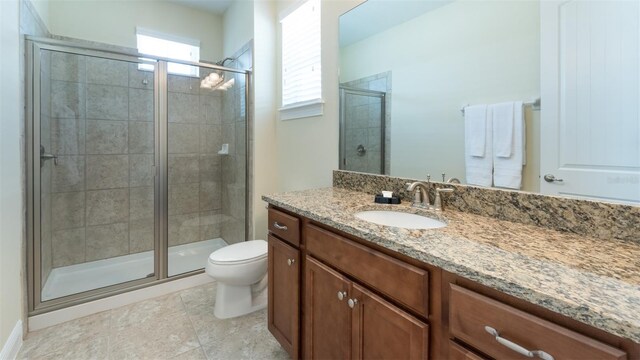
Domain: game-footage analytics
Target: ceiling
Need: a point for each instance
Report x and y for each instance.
(374, 16)
(213, 6)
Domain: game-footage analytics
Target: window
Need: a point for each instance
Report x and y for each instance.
(168, 46)
(301, 65)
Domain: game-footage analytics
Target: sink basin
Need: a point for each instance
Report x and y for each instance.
(400, 219)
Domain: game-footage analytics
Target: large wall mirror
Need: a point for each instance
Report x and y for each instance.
(417, 77)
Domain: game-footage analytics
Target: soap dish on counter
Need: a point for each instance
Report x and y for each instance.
(380, 199)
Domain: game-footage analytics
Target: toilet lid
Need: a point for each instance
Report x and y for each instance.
(240, 252)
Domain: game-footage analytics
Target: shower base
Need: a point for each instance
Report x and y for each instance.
(77, 278)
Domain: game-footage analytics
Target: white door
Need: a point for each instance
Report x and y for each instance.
(590, 89)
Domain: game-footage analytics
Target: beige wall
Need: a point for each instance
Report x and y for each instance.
(307, 149)
(114, 22)
(466, 53)
(11, 142)
(237, 25)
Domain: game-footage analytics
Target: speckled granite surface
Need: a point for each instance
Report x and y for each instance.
(593, 281)
(597, 219)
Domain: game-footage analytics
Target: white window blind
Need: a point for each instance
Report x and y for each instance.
(301, 63)
(168, 46)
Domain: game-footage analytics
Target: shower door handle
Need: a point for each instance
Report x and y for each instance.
(46, 156)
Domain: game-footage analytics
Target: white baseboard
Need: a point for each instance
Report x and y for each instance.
(13, 344)
(42, 321)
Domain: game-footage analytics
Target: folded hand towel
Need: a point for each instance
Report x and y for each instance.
(503, 129)
(507, 171)
(475, 119)
(478, 145)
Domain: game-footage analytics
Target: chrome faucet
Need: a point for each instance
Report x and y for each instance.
(421, 197)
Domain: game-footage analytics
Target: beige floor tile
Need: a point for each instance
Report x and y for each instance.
(85, 338)
(199, 299)
(160, 337)
(195, 354)
(145, 311)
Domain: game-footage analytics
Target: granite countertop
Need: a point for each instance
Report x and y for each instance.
(591, 280)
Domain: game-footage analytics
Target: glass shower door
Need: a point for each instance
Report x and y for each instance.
(362, 130)
(206, 165)
(96, 173)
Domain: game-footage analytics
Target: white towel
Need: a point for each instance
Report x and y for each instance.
(475, 125)
(478, 135)
(508, 138)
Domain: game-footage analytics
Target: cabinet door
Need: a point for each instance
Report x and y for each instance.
(327, 317)
(284, 290)
(383, 331)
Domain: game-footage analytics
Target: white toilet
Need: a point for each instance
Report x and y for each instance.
(240, 271)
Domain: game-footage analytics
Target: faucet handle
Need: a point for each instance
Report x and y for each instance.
(445, 190)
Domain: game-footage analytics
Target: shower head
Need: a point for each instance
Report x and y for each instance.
(223, 61)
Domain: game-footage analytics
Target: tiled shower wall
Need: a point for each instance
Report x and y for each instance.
(102, 130)
(195, 137)
(364, 127)
(234, 128)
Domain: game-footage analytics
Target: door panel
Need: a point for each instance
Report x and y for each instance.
(383, 331)
(327, 319)
(284, 292)
(590, 84)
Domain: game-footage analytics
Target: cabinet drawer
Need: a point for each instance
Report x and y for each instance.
(284, 226)
(473, 316)
(402, 282)
(457, 352)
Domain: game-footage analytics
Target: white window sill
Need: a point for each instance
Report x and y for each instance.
(302, 110)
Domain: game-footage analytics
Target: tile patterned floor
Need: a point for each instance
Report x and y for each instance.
(176, 326)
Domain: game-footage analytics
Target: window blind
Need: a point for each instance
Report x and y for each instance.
(301, 63)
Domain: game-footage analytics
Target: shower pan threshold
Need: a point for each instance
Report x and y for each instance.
(73, 279)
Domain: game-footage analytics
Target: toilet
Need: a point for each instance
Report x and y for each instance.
(241, 273)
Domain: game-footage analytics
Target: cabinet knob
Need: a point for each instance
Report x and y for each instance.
(342, 295)
(352, 303)
(291, 261)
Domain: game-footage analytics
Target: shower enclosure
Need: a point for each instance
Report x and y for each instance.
(135, 174)
(362, 130)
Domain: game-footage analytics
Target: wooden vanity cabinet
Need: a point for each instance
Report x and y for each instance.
(284, 281)
(344, 320)
(334, 296)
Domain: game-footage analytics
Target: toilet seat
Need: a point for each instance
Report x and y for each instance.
(240, 253)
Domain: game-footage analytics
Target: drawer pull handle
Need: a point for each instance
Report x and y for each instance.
(517, 348)
(352, 303)
(280, 227)
(342, 295)
(291, 261)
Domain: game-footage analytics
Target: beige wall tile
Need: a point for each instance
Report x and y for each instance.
(184, 138)
(67, 210)
(107, 72)
(141, 235)
(184, 229)
(141, 170)
(210, 225)
(184, 108)
(210, 195)
(141, 106)
(67, 136)
(211, 139)
(184, 198)
(183, 84)
(107, 206)
(107, 102)
(141, 137)
(68, 175)
(211, 109)
(184, 168)
(107, 241)
(68, 67)
(107, 137)
(141, 203)
(68, 247)
(107, 171)
(210, 167)
(67, 100)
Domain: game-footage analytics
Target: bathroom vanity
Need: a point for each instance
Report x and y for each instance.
(479, 288)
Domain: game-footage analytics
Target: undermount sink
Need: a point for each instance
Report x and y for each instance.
(399, 219)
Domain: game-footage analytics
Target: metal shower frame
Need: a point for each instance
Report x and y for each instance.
(32, 126)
